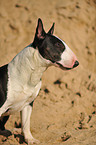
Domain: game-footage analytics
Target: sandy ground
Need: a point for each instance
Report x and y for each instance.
(64, 112)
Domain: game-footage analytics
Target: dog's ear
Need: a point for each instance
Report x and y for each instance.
(40, 30)
(51, 29)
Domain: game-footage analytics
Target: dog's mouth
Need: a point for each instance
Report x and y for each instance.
(62, 67)
(67, 68)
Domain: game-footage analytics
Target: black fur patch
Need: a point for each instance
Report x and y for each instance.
(50, 48)
(3, 84)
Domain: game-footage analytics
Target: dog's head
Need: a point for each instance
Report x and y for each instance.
(54, 49)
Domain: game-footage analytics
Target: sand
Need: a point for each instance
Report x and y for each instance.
(64, 112)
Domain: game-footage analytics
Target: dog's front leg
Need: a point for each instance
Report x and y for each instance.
(25, 124)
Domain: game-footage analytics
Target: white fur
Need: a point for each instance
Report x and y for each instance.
(25, 119)
(67, 58)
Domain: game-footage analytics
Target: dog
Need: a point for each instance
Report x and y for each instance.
(20, 80)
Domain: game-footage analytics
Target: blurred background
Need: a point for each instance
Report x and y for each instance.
(66, 105)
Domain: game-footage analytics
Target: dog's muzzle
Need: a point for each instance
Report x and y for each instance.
(66, 68)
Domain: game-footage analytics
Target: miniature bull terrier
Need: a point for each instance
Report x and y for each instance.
(20, 80)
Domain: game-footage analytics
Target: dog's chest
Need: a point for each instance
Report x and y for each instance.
(24, 80)
(22, 98)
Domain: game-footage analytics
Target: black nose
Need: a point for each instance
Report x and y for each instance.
(76, 64)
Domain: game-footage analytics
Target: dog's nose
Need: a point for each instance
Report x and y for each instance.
(76, 64)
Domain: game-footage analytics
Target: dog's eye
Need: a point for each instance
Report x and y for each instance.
(57, 44)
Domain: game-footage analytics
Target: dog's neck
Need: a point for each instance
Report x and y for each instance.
(31, 64)
(39, 61)
(38, 65)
